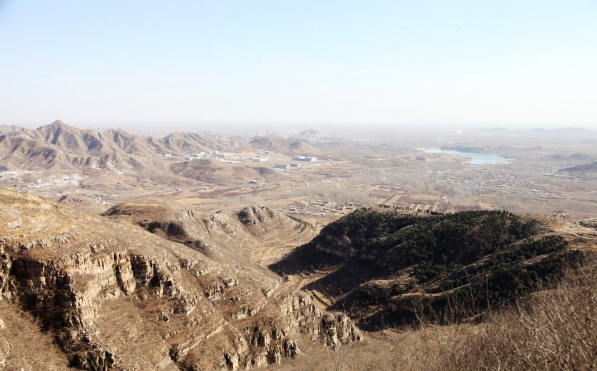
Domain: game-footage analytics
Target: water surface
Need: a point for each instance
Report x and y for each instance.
(477, 158)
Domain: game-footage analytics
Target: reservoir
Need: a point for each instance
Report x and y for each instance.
(477, 158)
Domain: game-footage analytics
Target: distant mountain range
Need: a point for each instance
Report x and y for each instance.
(281, 145)
(590, 168)
(573, 157)
(567, 131)
(60, 146)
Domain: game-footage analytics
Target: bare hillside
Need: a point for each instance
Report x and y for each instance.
(7, 129)
(111, 295)
(189, 143)
(282, 145)
(59, 146)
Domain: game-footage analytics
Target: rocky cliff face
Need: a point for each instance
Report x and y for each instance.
(110, 295)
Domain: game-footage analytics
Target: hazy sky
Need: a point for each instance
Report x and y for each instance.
(451, 62)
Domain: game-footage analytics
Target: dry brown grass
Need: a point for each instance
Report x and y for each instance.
(555, 329)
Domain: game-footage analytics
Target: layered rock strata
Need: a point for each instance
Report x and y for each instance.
(110, 295)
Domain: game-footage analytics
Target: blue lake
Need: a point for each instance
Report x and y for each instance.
(477, 158)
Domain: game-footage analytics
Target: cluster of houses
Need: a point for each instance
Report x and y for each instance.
(199, 155)
(319, 207)
(504, 183)
(227, 156)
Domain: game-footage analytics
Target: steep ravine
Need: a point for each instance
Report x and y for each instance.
(113, 296)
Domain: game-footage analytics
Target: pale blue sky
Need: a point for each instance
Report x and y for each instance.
(452, 62)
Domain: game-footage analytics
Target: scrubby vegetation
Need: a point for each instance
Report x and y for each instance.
(302, 225)
(548, 331)
(392, 268)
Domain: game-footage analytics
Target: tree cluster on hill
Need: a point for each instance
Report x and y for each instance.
(391, 268)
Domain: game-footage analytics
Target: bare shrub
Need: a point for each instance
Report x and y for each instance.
(554, 329)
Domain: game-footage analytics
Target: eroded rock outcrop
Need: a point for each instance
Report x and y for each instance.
(114, 296)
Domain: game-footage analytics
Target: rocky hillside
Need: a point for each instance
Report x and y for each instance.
(186, 143)
(389, 269)
(7, 129)
(233, 236)
(281, 145)
(99, 293)
(60, 146)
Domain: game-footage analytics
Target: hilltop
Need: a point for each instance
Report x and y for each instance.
(182, 142)
(390, 269)
(282, 145)
(590, 168)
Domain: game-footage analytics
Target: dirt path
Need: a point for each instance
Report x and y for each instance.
(273, 250)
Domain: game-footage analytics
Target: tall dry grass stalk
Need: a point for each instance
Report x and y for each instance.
(554, 329)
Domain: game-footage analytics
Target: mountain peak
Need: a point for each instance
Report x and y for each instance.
(58, 123)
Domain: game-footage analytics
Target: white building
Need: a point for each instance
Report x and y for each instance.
(304, 158)
(222, 155)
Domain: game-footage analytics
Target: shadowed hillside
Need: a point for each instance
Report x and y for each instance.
(391, 269)
(590, 168)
